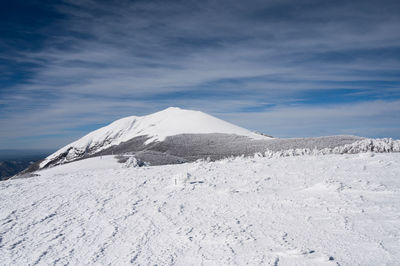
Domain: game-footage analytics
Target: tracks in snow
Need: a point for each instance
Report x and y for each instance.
(310, 210)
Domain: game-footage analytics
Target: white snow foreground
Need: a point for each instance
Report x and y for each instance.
(304, 210)
(169, 122)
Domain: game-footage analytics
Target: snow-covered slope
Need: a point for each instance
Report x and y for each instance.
(304, 210)
(169, 122)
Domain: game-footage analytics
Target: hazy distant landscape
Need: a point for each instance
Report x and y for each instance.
(14, 161)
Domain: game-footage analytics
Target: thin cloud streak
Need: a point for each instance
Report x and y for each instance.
(370, 119)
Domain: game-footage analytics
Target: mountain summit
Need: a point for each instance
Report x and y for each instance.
(155, 127)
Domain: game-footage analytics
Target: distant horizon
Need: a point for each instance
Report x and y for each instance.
(24, 154)
(283, 68)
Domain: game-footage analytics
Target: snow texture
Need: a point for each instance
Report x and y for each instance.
(301, 210)
(191, 147)
(361, 146)
(169, 122)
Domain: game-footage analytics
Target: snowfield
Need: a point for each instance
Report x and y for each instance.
(303, 210)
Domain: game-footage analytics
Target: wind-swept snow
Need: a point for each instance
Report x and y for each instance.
(169, 122)
(304, 210)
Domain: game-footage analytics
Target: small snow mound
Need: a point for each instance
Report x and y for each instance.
(133, 162)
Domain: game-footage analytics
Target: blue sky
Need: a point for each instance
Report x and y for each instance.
(286, 68)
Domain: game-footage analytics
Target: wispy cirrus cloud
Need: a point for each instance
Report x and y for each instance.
(96, 61)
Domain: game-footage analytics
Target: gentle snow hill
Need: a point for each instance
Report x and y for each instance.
(156, 127)
(301, 210)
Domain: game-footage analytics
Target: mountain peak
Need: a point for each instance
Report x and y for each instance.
(172, 108)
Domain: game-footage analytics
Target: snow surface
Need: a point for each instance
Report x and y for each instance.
(300, 210)
(169, 122)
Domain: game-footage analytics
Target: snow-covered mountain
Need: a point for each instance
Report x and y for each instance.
(155, 127)
(176, 135)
